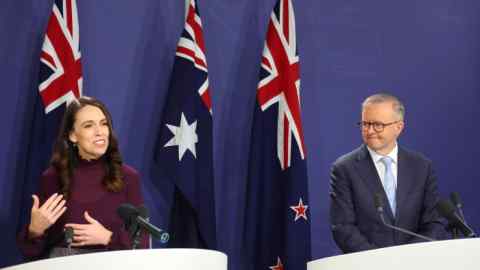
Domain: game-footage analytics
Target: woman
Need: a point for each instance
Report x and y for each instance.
(82, 188)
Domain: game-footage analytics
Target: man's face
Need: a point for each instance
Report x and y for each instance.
(381, 142)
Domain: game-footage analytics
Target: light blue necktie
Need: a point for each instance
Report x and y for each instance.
(389, 182)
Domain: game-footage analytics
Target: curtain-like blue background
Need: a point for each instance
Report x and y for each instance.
(426, 52)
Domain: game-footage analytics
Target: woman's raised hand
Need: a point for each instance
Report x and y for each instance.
(42, 217)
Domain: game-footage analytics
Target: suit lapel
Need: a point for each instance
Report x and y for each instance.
(404, 180)
(369, 174)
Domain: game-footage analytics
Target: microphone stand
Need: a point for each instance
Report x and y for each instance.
(455, 199)
(69, 239)
(450, 212)
(379, 205)
(380, 211)
(136, 238)
(452, 230)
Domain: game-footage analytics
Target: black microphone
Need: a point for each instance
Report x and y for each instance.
(69, 236)
(378, 200)
(126, 212)
(455, 198)
(446, 209)
(138, 217)
(143, 218)
(142, 211)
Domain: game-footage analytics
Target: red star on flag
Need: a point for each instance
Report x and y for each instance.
(300, 210)
(279, 265)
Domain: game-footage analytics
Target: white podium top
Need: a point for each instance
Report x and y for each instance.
(165, 259)
(438, 255)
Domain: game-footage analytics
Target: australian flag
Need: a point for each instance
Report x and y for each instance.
(184, 147)
(60, 81)
(277, 232)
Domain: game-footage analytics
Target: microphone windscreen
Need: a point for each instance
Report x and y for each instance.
(455, 198)
(126, 211)
(143, 211)
(69, 235)
(378, 200)
(446, 209)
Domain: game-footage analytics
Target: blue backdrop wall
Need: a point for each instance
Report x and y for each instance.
(427, 53)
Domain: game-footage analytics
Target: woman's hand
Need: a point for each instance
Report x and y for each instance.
(42, 217)
(92, 233)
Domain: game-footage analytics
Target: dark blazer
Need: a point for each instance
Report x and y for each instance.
(355, 223)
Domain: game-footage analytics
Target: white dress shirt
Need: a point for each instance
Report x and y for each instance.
(381, 167)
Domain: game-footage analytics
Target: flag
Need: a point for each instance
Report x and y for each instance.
(60, 81)
(60, 76)
(60, 65)
(184, 146)
(277, 221)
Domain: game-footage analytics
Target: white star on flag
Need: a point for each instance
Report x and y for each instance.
(184, 136)
(300, 210)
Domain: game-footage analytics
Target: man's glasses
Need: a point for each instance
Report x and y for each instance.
(377, 126)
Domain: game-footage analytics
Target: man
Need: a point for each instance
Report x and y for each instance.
(404, 179)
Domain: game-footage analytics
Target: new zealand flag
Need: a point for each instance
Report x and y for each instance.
(277, 228)
(184, 147)
(60, 81)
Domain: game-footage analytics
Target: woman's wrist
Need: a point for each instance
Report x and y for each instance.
(109, 238)
(34, 232)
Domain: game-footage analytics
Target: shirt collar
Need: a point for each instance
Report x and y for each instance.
(376, 156)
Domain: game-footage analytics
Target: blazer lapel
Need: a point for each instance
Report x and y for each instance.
(369, 174)
(404, 180)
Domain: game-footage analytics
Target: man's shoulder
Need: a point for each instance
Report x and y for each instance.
(352, 156)
(412, 155)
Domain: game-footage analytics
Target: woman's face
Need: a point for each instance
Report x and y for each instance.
(90, 132)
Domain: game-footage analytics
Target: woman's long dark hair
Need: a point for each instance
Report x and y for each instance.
(65, 153)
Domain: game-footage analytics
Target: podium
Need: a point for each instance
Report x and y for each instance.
(165, 259)
(438, 255)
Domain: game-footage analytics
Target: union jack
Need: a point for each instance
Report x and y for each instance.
(191, 46)
(187, 127)
(277, 224)
(280, 80)
(61, 68)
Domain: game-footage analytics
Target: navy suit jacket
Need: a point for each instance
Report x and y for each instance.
(355, 222)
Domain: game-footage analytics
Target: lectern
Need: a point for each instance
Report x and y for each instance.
(147, 259)
(438, 255)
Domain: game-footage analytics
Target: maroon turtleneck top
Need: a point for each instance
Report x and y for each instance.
(87, 194)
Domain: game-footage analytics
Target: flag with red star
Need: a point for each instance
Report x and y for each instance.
(59, 82)
(277, 230)
(300, 210)
(278, 266)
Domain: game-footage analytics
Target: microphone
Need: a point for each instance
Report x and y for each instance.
(142, 211)
(378, 200)
(378, 203)
(143, 218)
(69, 236)
(446, 209)
(136, 218)
(455, 198)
